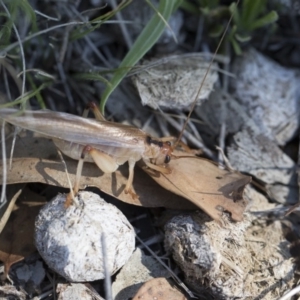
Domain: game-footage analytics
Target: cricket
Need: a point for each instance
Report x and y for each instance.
(107, 144)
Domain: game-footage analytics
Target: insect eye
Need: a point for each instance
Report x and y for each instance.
(148, 140)
(168, 143)
(167, 159)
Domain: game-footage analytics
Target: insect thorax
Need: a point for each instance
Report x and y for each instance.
(156, 151)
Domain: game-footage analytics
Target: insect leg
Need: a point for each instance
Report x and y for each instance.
(69, 199)
(94, 108)
(104, 162)
(78, 172)
(128, 187)
(158, 168)
(184, 147)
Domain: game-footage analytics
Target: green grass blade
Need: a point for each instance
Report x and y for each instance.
(268, 19)
(91, 76)
(22, 99)
(142, 45)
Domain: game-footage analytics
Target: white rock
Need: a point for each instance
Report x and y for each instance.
(76, 291)
(269, 93)
(69, 240)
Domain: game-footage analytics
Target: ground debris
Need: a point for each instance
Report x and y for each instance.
(247, 259)
(76, 291)
(139, 269)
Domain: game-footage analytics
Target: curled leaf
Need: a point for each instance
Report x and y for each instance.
(212, 189)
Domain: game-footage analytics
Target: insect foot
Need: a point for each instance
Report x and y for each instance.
(131, 193)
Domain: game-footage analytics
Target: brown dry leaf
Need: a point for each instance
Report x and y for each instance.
(36, 160)
(198, 180)
(17, 237)
(158, 289)
(212, 189)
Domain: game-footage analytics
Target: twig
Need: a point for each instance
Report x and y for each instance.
(4, 166)
(291, 293)
(226, 161)
(8, 210)
(107, 279)
(222, 143)
(124, 29)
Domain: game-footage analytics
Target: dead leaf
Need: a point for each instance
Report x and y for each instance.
(160, 289)
(36, 160)
(198, 180)
(212, 189)
(16, 239)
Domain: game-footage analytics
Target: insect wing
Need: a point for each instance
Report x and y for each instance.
(76, 129)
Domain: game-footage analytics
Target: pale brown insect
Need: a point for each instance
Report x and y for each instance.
(105, 143)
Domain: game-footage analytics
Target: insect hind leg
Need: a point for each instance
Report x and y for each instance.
(104, 162)
(128, 187)
(69, 199)
(94, 108)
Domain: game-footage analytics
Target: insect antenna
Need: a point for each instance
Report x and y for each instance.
(204, 78)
